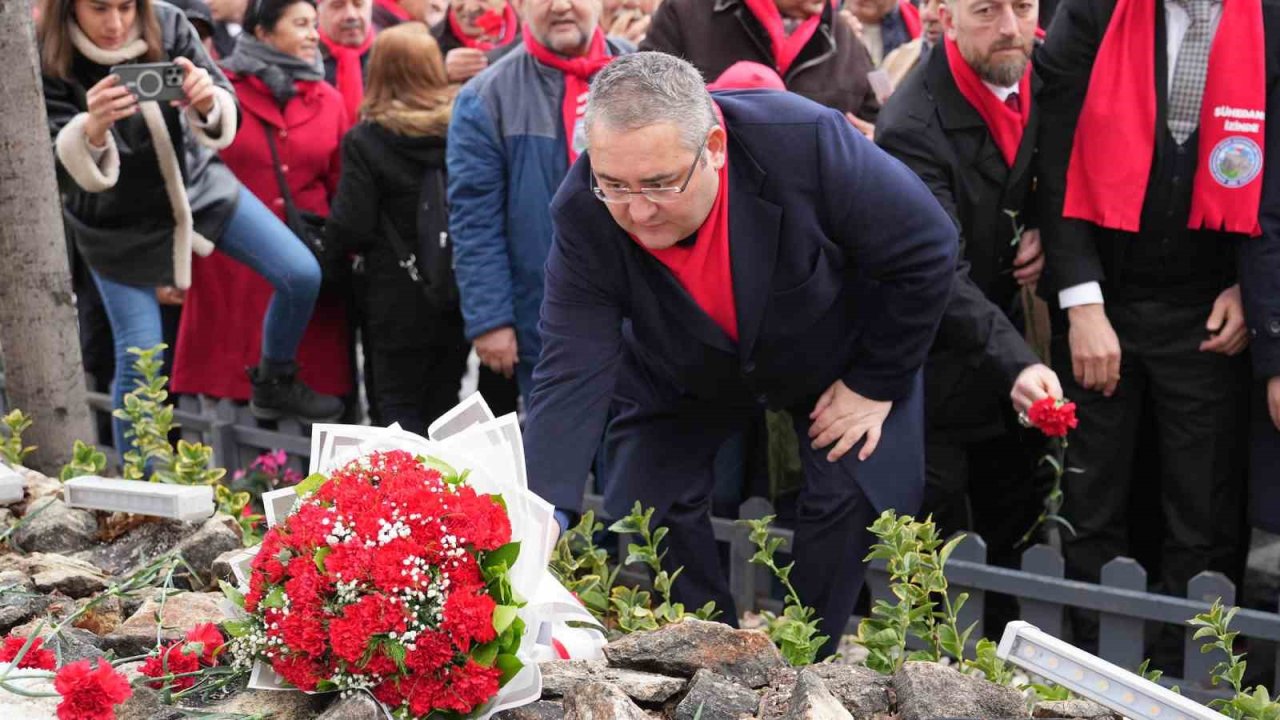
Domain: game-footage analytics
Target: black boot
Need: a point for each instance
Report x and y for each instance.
(278, 393)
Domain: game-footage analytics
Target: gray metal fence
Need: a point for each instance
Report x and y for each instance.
(1121, 599)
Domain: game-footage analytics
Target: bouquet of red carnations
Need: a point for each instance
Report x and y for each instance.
(391, 575)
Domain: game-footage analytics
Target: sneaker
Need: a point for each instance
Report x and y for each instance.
(278, 394)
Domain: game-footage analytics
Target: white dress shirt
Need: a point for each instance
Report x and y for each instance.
(1176, 22)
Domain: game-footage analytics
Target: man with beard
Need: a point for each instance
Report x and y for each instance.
(475, 34)
(346, 34)
(886, 24)
(904, 58)
(516, 129)
(1148, 235)
(965, 123)
(699, 275)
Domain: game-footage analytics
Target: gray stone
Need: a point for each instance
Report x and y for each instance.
(861, 690)
(541, 710)
(558, 676)
(600, 701)
(353, 707)
(55, 529)
(202, 548)
(713, 697)
(811, 700)
(74, 644)
(273, 704)
(19, 601)
(221, 567)
(138, 546)
(71, 577)
(39, 485)
(683, 648)
(930, 690)
(181, 612)
(30, 708)
(1086, 709)
(143, 704)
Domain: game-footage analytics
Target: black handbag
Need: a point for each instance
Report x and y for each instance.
(308, 226)
(430, 267)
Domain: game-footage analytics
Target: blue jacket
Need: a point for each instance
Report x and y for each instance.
(506, 157)
(842, 263)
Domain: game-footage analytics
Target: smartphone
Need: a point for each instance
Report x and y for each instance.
(161, 82)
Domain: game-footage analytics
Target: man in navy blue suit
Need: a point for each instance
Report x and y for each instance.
(714, 258)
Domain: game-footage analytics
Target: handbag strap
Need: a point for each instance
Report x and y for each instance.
(405, 257)
(290, 210)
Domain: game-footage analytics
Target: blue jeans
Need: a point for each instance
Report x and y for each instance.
(253, 236)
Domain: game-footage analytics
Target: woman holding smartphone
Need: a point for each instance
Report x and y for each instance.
(134, 209)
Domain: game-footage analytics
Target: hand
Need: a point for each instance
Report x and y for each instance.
(853, 22)
(867, 129)
(170, 295)
(631, 25)
(108, 101)
(197, 86)
(462, 64)
(1036, 382)
(1227, 332)
(844, 415)
(1273, 400)
(497, 350)
(1095, 349)
(1029, 262)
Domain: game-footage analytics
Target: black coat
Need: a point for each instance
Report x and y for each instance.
(394, 178)
(714, 34)
(448, 40)
(930, 126)
(1079, 251)
(126, 232)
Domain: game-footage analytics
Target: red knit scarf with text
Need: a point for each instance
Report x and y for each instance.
(703, 269)
(485, 41)
(350, 75)
(1004, 124)
(1116, 134)
(577, 73)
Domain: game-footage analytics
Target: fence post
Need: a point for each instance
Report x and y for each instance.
(1205, 587)
(743, 575)
(1120, 639)
(1043, 560)
(973, 549)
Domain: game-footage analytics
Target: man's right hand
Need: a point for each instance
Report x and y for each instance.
(498, 351)
(1273, 400)
(462, 64)
(1095, 349)
(108, 101)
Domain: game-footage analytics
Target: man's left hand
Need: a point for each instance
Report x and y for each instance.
(197, 86)
(1029, 262)
(1228, 333)
(844, 417)
(1036, 382)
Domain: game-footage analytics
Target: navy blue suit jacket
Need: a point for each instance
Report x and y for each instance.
(841, 262)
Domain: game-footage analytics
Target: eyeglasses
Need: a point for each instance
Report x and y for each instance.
(622, 196)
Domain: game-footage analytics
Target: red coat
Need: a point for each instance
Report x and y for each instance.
(221, 330)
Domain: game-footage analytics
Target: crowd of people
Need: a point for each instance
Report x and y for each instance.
(656, 220)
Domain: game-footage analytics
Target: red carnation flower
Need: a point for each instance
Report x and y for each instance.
(88, 692)
(210, 638)
(469, 617)
(171, 660)
(36, 657)
(1054, 418)
(299, 671)
(304, 632)
(371, 615)
(432, 651)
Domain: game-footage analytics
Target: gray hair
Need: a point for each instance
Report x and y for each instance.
(648, 88)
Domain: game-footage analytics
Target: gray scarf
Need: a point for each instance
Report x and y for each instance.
(278, 71)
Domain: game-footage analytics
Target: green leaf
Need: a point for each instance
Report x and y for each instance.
(275, 598)
(232, 593)
(237, 628)
(503, 615)
(309, 485)
(320, 555)
(505, 555)
(486, 654)
(509, 664)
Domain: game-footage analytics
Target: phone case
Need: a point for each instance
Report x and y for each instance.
(161, 82)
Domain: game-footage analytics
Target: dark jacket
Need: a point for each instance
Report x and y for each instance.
(930, 126)
(331, 65)
(448, 40)
(842, 261)
(125, 230)
(714, 34)
(401, 179)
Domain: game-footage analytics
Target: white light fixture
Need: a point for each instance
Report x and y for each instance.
(1128, 694)
(12, 485)
(180, 502)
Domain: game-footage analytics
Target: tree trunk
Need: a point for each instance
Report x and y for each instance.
(39, 340)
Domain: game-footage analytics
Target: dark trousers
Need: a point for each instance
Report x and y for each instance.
(1198, 406)
(417, 385)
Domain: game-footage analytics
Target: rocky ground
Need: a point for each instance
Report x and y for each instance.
(62, 557)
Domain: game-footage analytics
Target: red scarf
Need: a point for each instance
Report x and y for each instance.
(1111, 156)
(350, 75)
(577, 77)
(910, 18)
(394, 8)
(786, 48)
(1004, 124)
(703, 268)
(509, 21)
